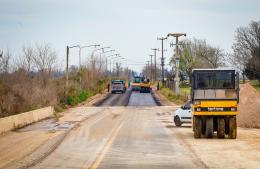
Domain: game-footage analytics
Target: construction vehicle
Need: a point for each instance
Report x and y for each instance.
(136, 83)
(214, 98)
(145, 86)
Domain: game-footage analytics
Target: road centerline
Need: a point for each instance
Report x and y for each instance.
(106, 147)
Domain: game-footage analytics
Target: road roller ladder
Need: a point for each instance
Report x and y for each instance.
(214, 98)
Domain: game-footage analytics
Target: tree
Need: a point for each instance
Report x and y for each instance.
(246, 49)
(239, 62)
(197, 53)
(188, 57)
(212, 57)
(5, 62)
(25, 61)
(44, 58)
(44, 61)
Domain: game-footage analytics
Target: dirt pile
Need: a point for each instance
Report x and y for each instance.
(249, 107)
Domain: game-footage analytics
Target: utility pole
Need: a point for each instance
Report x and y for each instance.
(155, 69)
(1, 53)
(177, 35)
(67, 71)
(148, 66)
(151, 67)
(67, 68)
(162, 58)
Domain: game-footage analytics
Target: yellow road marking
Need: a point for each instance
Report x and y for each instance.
(106, 148)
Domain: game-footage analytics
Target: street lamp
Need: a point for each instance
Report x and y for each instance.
(103, 48)
(118, 64)
(103, 52)
(111, 57)
(81, 47)
(177, 35)
(67, 67)
(116, 59)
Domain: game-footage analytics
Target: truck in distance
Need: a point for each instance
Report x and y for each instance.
(118, 86)
(214, 97)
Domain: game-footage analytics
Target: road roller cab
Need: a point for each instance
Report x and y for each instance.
(214, 97)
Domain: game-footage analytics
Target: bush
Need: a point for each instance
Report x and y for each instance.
(83, 95)
(72, 100)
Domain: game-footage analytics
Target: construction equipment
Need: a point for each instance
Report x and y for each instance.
(214, 98)
(136, 83)
(145, 86)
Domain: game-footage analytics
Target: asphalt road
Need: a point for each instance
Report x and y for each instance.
(124, 137)
(117, 99)
(141, 99)
(128, 98)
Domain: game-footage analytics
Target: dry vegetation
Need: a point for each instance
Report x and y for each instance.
(34, 80)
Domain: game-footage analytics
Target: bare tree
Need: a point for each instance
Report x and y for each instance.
(197, 53)
(211, 56)
(5, 62)
(246, 49)
(44, 58)
(25, 61)
(28, 54)
(44, 61)
(239, 62)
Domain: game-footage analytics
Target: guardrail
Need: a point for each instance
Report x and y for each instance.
(20, 120)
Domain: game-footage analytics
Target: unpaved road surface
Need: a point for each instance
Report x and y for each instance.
(122, 137)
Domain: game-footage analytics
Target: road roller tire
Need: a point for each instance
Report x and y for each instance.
(209, 127)
(221, 127)
(203, 121)
(226, 125)
(232, 128)
(197, 127)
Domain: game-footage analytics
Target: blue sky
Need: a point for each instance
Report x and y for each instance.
(131, 27)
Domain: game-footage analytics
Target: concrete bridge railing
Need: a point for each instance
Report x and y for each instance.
(23, 119)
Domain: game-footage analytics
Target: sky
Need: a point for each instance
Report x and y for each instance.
(131, 27)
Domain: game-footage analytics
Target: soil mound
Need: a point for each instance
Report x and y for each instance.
(249, 107)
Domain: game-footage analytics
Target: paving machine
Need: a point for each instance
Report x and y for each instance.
(214, 98)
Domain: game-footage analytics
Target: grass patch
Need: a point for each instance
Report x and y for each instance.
(80, 96)
(172, 97)
(255, 84)
(185, 91)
